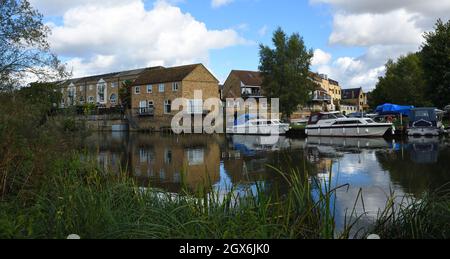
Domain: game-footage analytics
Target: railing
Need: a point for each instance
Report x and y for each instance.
(147, 111)
(317, 97)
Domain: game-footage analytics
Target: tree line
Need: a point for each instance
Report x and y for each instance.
(421, 78)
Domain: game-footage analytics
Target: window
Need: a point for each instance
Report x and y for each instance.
(167, 107)
(91, 87)
(113, 98)
(175, 87)
(101, 92)
(346, 122)
(137, 90)
(149, 89)
(81, 99)
(81, 88)
(142, 107)
(168, 156)
(151, 105)
(91, 99)
(196, 156)
(162, 88)
(114, 84)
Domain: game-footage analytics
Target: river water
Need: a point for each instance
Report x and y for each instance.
(372, 168)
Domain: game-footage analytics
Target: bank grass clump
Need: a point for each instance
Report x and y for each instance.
(427, 217)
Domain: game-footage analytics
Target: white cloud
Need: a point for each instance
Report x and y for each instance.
(429, 7)
(397, 27)
(96, 38)
(364, 71)
(58, 7)
(321, 57)
(220, 3)
(386, 29)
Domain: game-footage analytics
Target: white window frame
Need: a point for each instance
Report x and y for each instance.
(91, 99)
(196, 157)
(167, 103)
(175, 87)
(161, 88)
(149, 89)
(104, 93)
(136, 91)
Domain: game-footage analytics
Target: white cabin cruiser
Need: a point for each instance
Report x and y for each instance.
(334, 124)
(260, 127)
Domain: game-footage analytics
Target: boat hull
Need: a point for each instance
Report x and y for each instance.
(425, 132)
(262, 131)
(351, 131)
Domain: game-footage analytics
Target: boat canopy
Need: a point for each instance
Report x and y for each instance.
(388, 108)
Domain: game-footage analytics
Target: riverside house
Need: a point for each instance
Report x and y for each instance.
(100, 90)
(355, 97)
(243, 84)
(154, 91)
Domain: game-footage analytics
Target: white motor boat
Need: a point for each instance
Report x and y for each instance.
(260, 127)
(334, 124)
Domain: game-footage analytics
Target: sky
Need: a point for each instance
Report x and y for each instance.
(351, 40)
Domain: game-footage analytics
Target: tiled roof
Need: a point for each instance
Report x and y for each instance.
(165, 75)
(96, 78)
(251, 78)
(351, 93)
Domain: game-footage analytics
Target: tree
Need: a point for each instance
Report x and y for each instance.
(24, 50)
(285, 71)
(403, 83)
(435, 57)
(125, 94)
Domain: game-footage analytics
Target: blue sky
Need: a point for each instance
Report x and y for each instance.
(352, 40)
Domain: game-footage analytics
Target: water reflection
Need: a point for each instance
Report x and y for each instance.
(375, 166)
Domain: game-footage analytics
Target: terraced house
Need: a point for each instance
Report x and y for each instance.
(101, 90)
(154, 91)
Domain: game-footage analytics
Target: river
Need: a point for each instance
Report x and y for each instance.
(372, 168)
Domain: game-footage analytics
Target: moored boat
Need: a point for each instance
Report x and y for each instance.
(426, 122)
(260, 127)
(334, 124)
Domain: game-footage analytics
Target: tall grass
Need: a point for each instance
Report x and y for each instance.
(79, 198)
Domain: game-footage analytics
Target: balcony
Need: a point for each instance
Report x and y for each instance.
(254, 92)
(321, 97)
(145, 112)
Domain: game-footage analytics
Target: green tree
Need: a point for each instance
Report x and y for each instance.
(435, 57)
(286, 70)
(24, 49)
(125, 94)
(402, 84)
